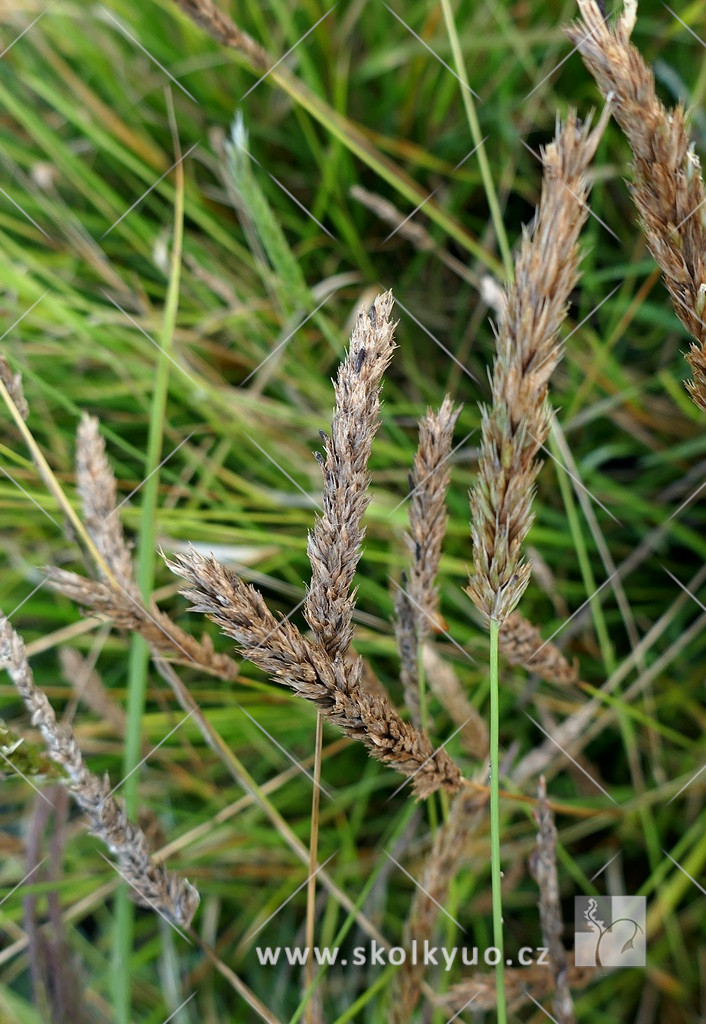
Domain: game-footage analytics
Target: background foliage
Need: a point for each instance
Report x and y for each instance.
(92, 101)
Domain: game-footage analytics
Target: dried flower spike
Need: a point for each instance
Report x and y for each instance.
(333, 685)
(544, 869)
(322, 670)
(667, 187)
(335, 542)
(427, 511)
(117, 596)
(432, 893)
(522, 644)
(152, 884)
(97, 489)
(417, 600)
(528, 349)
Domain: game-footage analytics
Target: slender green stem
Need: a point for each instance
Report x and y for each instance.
(496, 873)
(138, 658)
(474, 124)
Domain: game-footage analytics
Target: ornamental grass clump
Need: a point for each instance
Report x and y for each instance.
(317, 660)
(321, 664)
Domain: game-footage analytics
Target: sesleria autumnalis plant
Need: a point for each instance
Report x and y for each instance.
(320, 663)
(513, 430)
(323, 667)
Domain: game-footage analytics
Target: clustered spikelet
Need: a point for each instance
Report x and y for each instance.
(521, 643)
(416, 601)
(96, 486)
(129, 612)
(152, 884)
(119, 597)
(429, 482)
(528, 349)
(544, 869)
(322, 670)
(333, 685)
(334, 547)
(667, 185)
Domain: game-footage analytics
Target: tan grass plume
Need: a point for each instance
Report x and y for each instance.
(119, 598)
(322, 670)
(417, 599)
(528, 348)
(335, 542)
(150, 882)
(667, 185)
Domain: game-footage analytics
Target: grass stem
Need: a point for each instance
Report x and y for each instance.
(138, 660)
(496, 873)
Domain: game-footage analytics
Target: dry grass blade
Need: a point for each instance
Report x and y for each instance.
(155, 887)
(544, 869)
(408, 227)
(12, 394)
(388, 212)
(528, 349)
(334, 547)
(333, 685)
(522, 644)
(439, 871)
(667, 188)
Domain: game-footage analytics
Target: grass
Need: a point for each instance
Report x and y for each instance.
(85, 131)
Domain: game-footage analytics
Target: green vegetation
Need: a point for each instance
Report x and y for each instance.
(216, 368)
